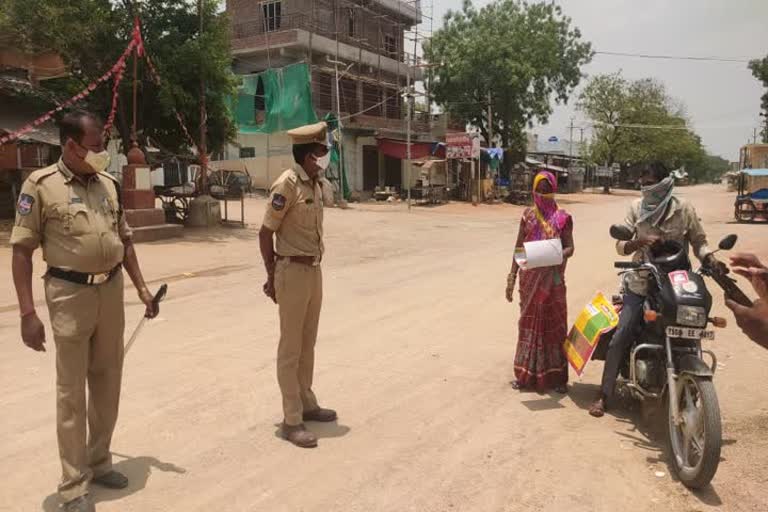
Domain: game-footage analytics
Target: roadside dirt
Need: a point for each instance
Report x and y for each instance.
(416, 349)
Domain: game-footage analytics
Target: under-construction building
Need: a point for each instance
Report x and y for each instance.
(359, 62)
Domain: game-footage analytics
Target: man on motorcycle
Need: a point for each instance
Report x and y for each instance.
(658, 216)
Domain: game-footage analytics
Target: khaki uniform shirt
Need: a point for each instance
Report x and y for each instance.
(77, 221)
(295, 212)
(680, 224)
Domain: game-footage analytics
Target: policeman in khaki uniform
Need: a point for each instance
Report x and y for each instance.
(291, 242)
(73, 211)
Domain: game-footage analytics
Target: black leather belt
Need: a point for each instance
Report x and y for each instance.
(83, 278)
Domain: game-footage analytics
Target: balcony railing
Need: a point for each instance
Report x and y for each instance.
(260, 25)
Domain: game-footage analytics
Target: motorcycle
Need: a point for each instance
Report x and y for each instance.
(666, 361)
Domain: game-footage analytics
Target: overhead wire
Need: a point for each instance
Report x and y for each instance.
(673, 57)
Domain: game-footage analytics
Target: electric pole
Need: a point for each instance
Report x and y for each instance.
(570, 145)
(203, 115)
(490, 121)
(408, 98)
(408, 131)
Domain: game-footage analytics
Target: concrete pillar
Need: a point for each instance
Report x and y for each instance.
(147, 222)
(137, 188)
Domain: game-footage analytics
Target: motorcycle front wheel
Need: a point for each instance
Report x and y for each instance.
(696, 441)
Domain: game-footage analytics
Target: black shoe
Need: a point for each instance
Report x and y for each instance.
(320, 414)
(111, 480)
(81, 504)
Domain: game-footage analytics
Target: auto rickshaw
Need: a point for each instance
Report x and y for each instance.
(752, 199)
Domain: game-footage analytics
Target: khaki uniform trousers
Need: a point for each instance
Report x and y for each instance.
(299, 292)
(88, 324)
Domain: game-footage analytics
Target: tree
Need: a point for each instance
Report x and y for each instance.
(637, 123)
(707, 167)
(604, 101)
(510, 55)
(90, 35)
(759, 69)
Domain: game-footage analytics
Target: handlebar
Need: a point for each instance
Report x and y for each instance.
(729, 286)
(627, 264)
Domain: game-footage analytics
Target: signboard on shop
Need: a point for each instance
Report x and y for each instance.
(475, 147)
(458, 145)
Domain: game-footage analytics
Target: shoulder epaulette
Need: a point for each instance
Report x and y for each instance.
(43, 173)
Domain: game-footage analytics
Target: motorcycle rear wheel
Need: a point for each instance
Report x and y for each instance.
(695, 443)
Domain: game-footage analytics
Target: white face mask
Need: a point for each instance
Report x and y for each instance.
(323, 161)
(97, 161)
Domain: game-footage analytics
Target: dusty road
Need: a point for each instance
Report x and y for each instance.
(415, 351)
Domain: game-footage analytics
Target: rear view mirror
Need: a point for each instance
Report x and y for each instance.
(727, 243)
(621, 232)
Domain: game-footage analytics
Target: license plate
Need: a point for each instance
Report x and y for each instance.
(690, 333)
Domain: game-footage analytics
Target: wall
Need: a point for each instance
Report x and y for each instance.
(281, 158)
(9, 157)
(265, 167)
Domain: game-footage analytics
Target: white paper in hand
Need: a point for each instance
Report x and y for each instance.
(543, 253)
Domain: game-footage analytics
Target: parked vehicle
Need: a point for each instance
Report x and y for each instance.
(752, 199)
(667, 362)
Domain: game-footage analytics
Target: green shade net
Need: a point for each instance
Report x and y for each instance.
(336, 169)
(287, 100)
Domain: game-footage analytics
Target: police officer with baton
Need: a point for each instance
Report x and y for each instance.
(73, 211)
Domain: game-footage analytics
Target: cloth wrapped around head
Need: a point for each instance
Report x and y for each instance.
(655, 200)
(551, 219)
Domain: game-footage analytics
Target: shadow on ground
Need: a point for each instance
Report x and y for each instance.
(321, 430)
(222, 234)
(137, 469)
(648, 430)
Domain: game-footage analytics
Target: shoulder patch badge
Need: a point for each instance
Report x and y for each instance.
(278, 202)
(24, 206)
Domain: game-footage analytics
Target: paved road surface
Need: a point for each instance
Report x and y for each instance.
(416, 349)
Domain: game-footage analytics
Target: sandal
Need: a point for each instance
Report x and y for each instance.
(563, 390)
(598, 408)
(516, 385)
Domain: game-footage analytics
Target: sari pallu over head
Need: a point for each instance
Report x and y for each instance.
(551, 220)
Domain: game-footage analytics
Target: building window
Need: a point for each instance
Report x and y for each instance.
(390, 44)
(351, 22)
(247, 152)
(272, 13)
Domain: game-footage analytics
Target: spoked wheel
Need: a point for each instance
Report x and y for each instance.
(696, 441)
(181, 209)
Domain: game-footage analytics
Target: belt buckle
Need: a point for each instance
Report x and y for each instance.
(97, 279)
(316, 261)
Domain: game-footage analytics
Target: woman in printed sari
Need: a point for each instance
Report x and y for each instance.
(540, 362)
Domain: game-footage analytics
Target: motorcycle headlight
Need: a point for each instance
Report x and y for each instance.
(692, 316)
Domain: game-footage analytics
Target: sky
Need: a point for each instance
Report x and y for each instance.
(722, 98)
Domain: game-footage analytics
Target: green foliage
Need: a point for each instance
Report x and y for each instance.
(629, 120)
(521, 55)
(759, 69)
(707, 167)
(90, 35)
